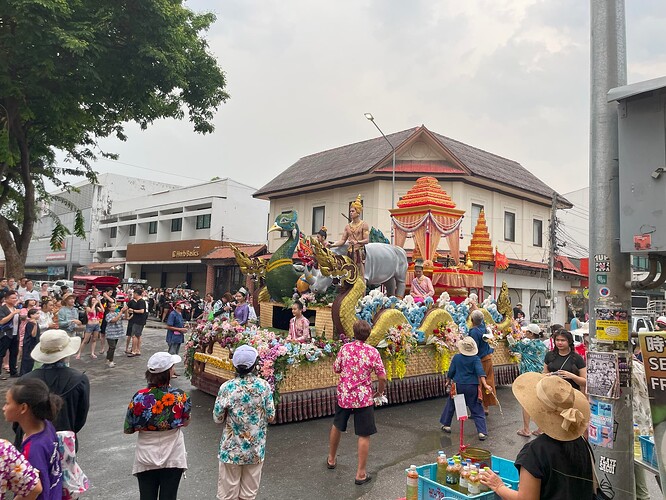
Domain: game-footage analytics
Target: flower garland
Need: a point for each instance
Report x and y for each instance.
(395, 348)
(276, 353)
(444, 339)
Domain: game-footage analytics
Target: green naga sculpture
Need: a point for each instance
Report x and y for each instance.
(281, 276)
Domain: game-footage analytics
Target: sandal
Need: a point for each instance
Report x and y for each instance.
(130, 354)
(359, 482)
(331, 466)
(522, 432)
(537, 432)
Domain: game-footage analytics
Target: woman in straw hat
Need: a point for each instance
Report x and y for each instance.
(558, 463)
(466, 371)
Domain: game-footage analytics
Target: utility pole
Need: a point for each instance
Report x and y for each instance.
(609, 268)
(552, 244)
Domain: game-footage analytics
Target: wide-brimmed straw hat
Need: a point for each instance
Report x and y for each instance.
(55, 345)
(559, 410)
(467, 346)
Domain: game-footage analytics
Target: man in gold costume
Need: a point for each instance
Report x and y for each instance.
(356, 235)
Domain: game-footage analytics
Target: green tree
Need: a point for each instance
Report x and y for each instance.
(75, 71)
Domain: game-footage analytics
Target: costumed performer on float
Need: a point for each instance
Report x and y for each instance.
(242, 311)
(321, 236)
(299, 325)
(357, 235)
(421, 284)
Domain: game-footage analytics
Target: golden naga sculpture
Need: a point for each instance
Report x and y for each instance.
(504, 307)
(252, 266)
(334, 266)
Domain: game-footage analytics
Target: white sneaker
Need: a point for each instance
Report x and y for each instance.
(482, 436)
(110, 364)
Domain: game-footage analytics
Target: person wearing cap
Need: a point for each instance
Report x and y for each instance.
(478, 332)
(421, 284)
(53, 350)
(466, 372)
(158, 413)
(175, 329)
(242, 311)
(532, 353)
(661, 323)
(356, 362)
(558, 463)
(245, 406)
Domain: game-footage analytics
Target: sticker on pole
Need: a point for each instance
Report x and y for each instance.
(604, 291)
(602, 279)
(602, 267)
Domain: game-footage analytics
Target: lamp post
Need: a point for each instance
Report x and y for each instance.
(372, 119)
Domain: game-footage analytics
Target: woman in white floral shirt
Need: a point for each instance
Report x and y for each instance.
(245, 406)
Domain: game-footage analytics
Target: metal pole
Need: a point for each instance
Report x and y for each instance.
(372, 119)
(552, 238)
(609, 268)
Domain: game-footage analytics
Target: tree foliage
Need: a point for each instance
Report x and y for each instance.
(75, 71)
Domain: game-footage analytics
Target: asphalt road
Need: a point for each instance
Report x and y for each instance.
(294, 468)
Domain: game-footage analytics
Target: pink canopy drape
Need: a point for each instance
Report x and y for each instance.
(428, 228)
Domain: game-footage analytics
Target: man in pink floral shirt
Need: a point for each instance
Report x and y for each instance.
(355, 363)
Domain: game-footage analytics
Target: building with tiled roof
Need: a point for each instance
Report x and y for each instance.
(516, 203)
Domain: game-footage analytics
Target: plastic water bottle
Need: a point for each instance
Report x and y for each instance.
(464, 477)
(473, 484)
(452, 478)
(637, 442)
(412, 492)
(441, 467)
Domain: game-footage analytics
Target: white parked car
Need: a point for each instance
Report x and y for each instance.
(55, 288)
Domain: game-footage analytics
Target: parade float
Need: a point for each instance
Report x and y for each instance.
(416, 340)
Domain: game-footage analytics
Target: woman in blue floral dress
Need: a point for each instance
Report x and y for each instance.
(245, 406)
(158, 413)
(532, 352)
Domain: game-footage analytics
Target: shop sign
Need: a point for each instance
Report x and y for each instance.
(55, 270)
(181, 254)
(56, 256)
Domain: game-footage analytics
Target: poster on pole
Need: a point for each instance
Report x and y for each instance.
(653, 348)
(600, 432)
(603, 379)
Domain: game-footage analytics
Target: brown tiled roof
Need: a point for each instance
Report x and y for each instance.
(362, 157)
(227, 252)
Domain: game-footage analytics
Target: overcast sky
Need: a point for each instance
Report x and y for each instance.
(507, 76)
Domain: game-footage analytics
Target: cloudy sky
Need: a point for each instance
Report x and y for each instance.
(508, 76)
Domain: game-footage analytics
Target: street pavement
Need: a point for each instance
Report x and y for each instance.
(294, 468)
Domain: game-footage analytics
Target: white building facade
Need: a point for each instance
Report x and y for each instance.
(95, 202)
(162, 236)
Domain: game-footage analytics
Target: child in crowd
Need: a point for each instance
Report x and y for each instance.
(115, 330)
(30, 340)
(29, 403)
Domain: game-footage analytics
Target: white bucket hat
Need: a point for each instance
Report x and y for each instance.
(55, 345)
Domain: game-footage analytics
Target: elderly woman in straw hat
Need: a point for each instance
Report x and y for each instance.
(466, 371)
(558, 463)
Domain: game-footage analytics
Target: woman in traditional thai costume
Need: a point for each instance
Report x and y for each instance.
(356, 235)
(299, 325)
(421, 284)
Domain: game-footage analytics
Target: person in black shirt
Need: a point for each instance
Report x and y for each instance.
(138, 308)
(565, 362)
(557, 465)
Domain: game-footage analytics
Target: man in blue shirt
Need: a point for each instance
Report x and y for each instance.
(477, 332)
(466, 372)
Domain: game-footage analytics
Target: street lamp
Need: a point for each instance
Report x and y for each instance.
(372, 119)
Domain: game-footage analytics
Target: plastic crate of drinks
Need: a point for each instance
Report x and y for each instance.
(647, 450)
(429, 489)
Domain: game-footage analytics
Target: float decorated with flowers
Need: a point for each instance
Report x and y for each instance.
(415, 339)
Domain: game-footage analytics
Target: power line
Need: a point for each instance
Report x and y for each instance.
(154, 170)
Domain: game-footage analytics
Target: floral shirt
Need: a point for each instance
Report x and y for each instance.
(157, 409)
(244, 405)
(16, 473)
(532, 353)
(355, 363)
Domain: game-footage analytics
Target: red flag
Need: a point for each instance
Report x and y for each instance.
(501, 262)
